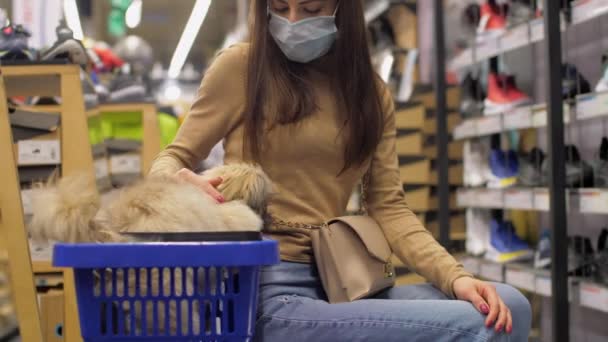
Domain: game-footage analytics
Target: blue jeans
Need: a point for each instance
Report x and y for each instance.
(293, 308)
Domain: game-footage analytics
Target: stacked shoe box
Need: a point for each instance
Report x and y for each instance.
(37, 146)
(125, 161)
(417, 150)
(123, 135)
(100, 154)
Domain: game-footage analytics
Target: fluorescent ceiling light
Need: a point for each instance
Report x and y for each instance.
(199, 12)
(133, 15)
(72, 17)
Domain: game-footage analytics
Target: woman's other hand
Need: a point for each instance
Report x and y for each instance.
(484, 297)
(206, 185)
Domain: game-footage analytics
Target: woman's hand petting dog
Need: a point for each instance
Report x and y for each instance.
(208, 186)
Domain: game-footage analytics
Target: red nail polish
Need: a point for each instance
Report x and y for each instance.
(221, 199)
(485, 309)
(498, 328)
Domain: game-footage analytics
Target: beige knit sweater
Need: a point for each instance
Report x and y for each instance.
(303, 161)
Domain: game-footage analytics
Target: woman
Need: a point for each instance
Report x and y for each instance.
(302, 100)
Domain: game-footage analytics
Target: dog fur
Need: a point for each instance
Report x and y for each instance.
(70, 210)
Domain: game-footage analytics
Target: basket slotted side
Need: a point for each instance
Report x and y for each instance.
(140, 292)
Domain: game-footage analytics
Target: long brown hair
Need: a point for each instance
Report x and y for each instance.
(277, 85)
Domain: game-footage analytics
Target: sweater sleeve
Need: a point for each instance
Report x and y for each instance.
(216, 111)
(411, 242)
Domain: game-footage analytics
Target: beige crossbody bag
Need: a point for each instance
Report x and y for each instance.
(352, 254)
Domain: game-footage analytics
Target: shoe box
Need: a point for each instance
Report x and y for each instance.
(36, 138)
(423, 198)
(404, 24)
(410, 116)
(426, 96)
(457, 225)
(125, 163)
(37, 148)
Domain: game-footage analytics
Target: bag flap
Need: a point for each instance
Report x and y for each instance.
(370, 234)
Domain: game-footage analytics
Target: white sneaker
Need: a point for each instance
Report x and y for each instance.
(602, 85)
(475, 163)
(478, 231)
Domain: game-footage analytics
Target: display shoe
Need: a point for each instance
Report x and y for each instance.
(478, 231)
(530, 168)
(66, 47)
(600, 165)
(504, 167)
(579, 174)
(602, 256)
(581, 258)
(126, 88)
(602, 85)
(492, 22)
(520, 11)
(542, 256)
(503, 95)
(573, 83)
(471, 102)
(14, 44)
(505, 245)
(475, 163)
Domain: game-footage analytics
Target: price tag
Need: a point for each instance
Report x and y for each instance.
(489, 124)
(39, 152)
(467, 128)
(471, 264)
(543, 286)
(591, 105)
(491, 271)
(520, 278)
(541, 199)
(487, 48)
(519, 118)
(125, 163)
(519, 198)
(593, 201)
(26, 201)
(489, 198)
(537, 30)
(516, 37)
(593, 296)
(101, 168)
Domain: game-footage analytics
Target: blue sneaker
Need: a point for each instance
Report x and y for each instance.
(504, 167)
(505, 245)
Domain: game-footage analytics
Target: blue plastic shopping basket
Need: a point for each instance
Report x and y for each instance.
(194, 291)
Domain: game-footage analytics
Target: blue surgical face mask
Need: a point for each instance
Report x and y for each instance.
(304, 40)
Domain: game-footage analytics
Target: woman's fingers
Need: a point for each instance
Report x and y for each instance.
(489, 294)
(509, 327)
(503, 317)
(202, 183)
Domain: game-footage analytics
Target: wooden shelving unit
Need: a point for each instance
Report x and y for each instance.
(76, 158)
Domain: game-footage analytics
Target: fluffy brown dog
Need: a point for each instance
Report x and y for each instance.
(70, 210)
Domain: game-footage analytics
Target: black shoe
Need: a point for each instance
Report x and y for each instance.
(581, 258)
(14, 44)
(573, 83)
(579, 174)
(602, 256)
(473, 95)
(66, 47)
